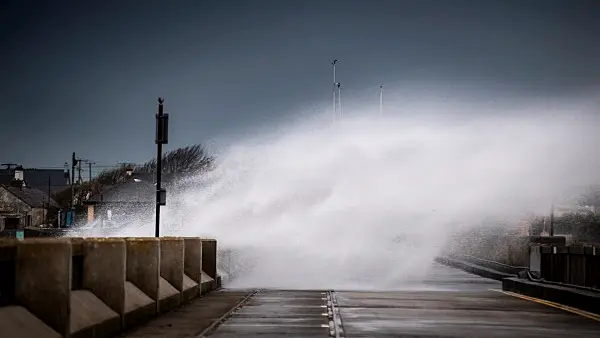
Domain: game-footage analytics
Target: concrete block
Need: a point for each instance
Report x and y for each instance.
(77, 263)
(8, 249)
(535, 258)
(561, 250)
(43, 272)
(172, 261)
(171, 272)
(576, 250)
(139, 308)
(209, 261)
(207, 283)
(143, 266)
(577, 269)
(17, 322)
(169, 297)
(192, 267)
(104, 271)
(90, 317)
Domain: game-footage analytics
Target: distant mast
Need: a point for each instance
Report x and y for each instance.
(339, 88)
(381, 100)
(333, 112)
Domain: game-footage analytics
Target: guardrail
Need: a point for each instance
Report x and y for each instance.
(98, 287)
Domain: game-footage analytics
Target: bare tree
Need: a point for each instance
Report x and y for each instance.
(188, 160)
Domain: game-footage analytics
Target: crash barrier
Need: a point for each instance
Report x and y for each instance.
(574, 265)
(98, 287)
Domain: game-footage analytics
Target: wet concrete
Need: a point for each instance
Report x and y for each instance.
(452, 303)
(191, 319)
(446, 303)
(279, 314)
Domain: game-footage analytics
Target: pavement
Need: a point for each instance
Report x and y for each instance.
(446, 303)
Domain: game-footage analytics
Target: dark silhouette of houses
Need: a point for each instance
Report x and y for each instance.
(23, 206)
(135, 197)
(50, 181)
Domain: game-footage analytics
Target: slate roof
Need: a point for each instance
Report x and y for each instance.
(133, 191)
(35, 198)
(39, 179)
(6, 177)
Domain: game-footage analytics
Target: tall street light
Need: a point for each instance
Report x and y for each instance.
(162, 137)
(339, 89)
(381, 100)
(334, 86)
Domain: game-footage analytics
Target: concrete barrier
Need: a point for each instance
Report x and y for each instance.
(209, 265)
(43, 281)
(574, 265)
(16, 321)
(142, 275)
(170, 285)
(97, 287)
(586, 300)
(97, 307)
(192, 268)
(473, 268)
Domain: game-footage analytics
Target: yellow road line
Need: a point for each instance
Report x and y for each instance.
(570, 309)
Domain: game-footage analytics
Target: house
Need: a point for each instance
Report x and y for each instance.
(47, 180)
(135, 197)
(50, 181)
(21, 206)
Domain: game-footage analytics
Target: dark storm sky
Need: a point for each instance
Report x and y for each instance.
(84, 76)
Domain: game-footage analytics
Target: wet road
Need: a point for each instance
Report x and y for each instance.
(448, 303)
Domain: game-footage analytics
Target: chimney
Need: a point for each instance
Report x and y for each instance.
(19, 174)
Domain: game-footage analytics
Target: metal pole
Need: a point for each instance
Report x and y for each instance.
(552, 220)
(158, 169)
(381, 100)
(73, 164)
(339, 87)
(334, 83)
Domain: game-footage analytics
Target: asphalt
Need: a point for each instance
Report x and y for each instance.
(446, 303)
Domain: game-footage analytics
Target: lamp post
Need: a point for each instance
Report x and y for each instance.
(162, 137)
(334, 86)
(381, 100)
(339, 91)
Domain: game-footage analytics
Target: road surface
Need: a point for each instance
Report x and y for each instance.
(448, 303)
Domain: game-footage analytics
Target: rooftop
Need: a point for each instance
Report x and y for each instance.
(35, 198)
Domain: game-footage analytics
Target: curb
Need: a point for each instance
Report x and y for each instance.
(580, 299)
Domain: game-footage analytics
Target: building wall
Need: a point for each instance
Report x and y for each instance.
(38, 216)
(10, 204)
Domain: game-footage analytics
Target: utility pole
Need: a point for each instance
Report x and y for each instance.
(334, 85)
(49, 194)
(90, 170)
(552, 220)
(89, 163)
(74, 162)
(79, 180)
(162, 137)
(381, 100)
